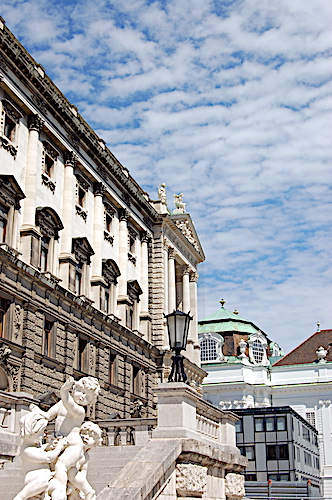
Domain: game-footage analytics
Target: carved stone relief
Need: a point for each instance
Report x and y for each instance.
(191, 480)
(234, 486)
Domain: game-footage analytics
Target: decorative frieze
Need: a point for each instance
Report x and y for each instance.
(191, 480)
(234, 486)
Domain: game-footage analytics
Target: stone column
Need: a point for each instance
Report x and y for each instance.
(193, 278)
(171, 280)
(68, 202)
(98, 238)
(35, 124)
(144, 273)
(165, 250)
(123, 251)
(145, 318)
(68, 207)
(28, 230)
(185, 290)
(123, 260)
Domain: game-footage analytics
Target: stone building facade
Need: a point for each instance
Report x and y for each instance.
(89, 264)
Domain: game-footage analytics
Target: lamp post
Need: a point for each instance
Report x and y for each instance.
(178, 327)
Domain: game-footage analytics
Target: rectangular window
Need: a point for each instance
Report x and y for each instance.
(311, 418)
(250, 477)
(259, 424)
(298, 454)
(113, 369)
(238, 426)
(43, 257)
(130, 316)
(82, 355)
(137, 380)
(307, 459)
(277, 452)
(281, 423)
(3, 223)
(250, 452)
(305, 433)
(271, 452)
(269, 422)
(48, 340)
(9, 128)
(78, 278)
(4, 304)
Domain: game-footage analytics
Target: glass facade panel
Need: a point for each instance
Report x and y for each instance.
(270, 423)
(259, 424)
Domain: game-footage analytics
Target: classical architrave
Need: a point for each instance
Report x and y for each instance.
(49, 222)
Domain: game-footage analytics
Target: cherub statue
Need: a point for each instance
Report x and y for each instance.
(36, 459)
(162, 193)
(69, 413)
(77, 476)
(180, 207)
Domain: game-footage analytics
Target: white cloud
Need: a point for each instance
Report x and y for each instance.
(228, 102)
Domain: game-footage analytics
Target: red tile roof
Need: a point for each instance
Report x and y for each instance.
(306, 352)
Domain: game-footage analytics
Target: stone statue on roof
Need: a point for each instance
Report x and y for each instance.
(162, 194)
(180, 207)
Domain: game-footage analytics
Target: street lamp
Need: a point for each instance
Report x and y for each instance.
(178, 327)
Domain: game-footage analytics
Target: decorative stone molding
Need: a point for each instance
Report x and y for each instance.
(123, 214)
(257, 349)
(10, 192)
(132, 258)
(35, 122)
(50, 150)
(109, 210)
(321, 354)
(144, 236)
(99, 189)
(171, 253)
(134, 290)
(186, 230)
(8, 146)
(49, 222)
(82, 250)
(81, 212)
(234, 486)
(82, 181)
(186, 270)
(193, 277)
(47, 181)
(110, 271)
(218, 341)
(191, 480)
(108, 237)
(70, 159)
(324, 402)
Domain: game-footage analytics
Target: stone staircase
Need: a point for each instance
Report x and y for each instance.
(105, 464)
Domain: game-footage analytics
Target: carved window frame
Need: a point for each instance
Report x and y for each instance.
(212, 339)
(132, 244)
(10, 117)
(109, 213)
(43, 247)
(4, 311)
(49, 338)
(49, 165)
(10, 197)
(258, 349)
(82, 188)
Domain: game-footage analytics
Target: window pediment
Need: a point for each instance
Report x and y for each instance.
(110, 271)
(134, 290)
(82, 250)
(10, 191)
(48, 221)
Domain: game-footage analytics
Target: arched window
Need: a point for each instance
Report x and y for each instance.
(211, 347)
(257, 349)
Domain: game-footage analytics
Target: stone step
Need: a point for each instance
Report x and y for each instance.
(105, 464)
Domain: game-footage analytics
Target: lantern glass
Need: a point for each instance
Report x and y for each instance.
(178, 327)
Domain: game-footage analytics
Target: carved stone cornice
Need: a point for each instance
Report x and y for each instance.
(35, 122)
(82, 250)
(10, 191)
(50, 150)
(110, 271)
(99, 189)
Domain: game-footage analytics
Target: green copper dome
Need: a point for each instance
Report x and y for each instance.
(226, 321)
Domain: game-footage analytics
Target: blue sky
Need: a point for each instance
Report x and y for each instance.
(228, 102)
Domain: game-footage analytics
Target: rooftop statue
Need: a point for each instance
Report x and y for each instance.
(68, 452)
(162, 194)
(180, 207)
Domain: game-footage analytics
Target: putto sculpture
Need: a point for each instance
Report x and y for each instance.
(59, 469)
